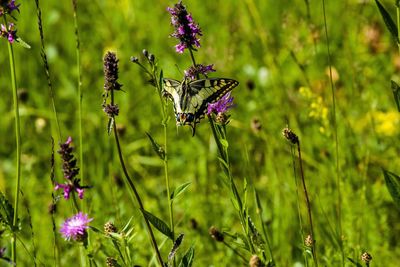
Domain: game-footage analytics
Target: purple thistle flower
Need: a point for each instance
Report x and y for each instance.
(222, 105)
(194, 71)
(75, 227)
(186, 30)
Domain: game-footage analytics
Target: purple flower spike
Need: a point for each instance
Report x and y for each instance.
(194, 71)
(75, 227)
(186, 30)
(70, 171)
(222, 105)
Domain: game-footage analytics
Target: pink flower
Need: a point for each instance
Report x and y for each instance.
(75, 227)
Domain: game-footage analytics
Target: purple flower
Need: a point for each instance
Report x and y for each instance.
(194, 71)
(12, 6)
(186, 30)
(75, 227)
(70, 171)
(6, 7)
(9, 33)
(69, 187)
(222, 105)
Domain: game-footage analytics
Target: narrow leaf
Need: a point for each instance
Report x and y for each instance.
(110, 126)
(390, 25)
(156, 147)
(23, 43)
(396, 94)
(174, 249)
(187, 259)
(354, 262)
(159, 224)
(393, 185)
(179, 190)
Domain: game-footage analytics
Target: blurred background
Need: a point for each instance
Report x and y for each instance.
(278, 53)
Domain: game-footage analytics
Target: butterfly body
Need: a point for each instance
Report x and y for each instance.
(191, 98)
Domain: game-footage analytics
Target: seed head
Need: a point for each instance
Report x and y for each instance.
(255, 261)
(308, 241)
(216, 234)
(111, 262)
(366, 257)
(109, 228)
(290, 136)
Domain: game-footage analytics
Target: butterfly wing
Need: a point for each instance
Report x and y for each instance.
(173, 90)
(205, 91)
(192, 98)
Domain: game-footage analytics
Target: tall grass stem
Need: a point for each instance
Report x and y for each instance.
(134, 190)
(335, 130)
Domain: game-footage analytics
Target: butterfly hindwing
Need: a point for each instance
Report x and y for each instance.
(191, 98)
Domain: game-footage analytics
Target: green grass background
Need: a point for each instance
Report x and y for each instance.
(251, 41)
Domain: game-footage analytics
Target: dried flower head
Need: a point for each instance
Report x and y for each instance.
(290, 136)
(308, 241)
(111, 110)
(186, 30)
(366, 257)
(194, 71)
(222, 105)
(75, 227)
(109, 228)
(256, 125)
(255, 261)
(111, 262)
(216, 234)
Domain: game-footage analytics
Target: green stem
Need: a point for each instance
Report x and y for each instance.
(80, 93)
(225, 156)
(339, 195)
(134, 190)
(18, 146)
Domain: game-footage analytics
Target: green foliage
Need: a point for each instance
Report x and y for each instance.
(390, 24)
(393, 184)
(159, 224)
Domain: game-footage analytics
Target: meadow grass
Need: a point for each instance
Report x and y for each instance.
(244, 179)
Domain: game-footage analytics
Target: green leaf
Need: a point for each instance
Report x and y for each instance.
(390, 25)
(396, 94)
(110, 126)
(354, 262)
(156, 147)
(393, 185)
(22, 43)
(159, 224)
(179, 190)
(6, 212)
(174, 249)
(224, 142)
(187, 259)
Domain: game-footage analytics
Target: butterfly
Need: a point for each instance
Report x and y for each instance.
(191, 98)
